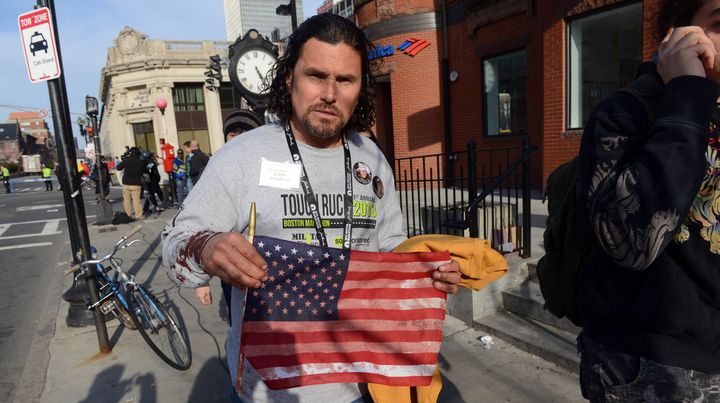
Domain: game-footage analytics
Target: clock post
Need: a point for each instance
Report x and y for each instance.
(252, 59)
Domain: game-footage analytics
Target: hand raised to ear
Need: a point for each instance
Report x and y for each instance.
(685, 51)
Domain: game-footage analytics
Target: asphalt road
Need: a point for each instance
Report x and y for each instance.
(34, 241)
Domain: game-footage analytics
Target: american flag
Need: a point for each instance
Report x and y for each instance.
(330, 315)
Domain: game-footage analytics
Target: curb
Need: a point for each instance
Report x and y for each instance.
(32, 381)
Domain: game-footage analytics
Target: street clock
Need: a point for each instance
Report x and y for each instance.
(252, 59)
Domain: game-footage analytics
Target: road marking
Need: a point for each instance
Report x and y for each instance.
(50, 227)
(43, 207)
(3, 228)
(3, 238)
(33, 222)
(26, 245)
(53, 210)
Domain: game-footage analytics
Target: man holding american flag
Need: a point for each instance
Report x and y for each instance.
(327, 311)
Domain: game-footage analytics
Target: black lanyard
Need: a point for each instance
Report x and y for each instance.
(312, 199)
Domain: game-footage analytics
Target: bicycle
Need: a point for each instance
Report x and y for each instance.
(136, 307)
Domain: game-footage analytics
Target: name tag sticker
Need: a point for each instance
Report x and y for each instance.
(279, 175)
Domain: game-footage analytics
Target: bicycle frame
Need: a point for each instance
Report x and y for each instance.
(135, 307)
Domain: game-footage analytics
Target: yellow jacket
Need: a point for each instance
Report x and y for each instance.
(479, 266)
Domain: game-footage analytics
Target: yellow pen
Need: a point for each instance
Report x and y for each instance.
(251, 223)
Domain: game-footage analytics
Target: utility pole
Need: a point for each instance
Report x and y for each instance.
(75, 210)
(104, 210)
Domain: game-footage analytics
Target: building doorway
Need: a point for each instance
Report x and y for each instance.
(144, 134)
(384, 118)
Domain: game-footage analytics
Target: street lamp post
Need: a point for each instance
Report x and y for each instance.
(161, 104)
(288, 9)
(104, 210)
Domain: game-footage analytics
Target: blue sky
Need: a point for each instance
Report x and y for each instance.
(87, 29)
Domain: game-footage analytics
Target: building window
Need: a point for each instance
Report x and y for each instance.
(505, 94)
(144, 134)
(604, 51)
(188, 97)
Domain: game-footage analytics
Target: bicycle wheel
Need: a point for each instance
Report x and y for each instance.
(162, 335)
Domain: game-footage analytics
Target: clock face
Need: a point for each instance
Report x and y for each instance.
(253, 67)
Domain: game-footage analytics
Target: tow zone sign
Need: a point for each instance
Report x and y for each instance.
(38, 42)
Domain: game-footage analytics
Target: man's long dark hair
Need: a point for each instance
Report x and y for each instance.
(676, 13)
(332, 29)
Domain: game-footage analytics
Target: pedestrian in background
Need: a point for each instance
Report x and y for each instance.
(180, 175)
(5, 173)
(132, 167)
(95, 176)
(198, 162)
(188, 158)
(47, 175)
(151, 181)
(649, 184)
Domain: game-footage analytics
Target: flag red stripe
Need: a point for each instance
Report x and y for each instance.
(341, 325)
(362, 256)
(389, 275)
(425, 267)
(419, 48)
(340, 337)
(348, 377)
(392, 314)
(419, 283)
(290, 349)
(383, 295)
(270, 361)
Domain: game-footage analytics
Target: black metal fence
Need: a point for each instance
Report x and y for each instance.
(477, 193)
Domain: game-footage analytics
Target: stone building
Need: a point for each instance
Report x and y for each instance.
(140, 71)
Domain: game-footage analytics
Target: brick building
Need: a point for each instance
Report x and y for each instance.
(35, 135)
(9, 142)
(510, 69)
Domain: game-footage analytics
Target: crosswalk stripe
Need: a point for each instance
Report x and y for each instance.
(3, 238)
(26, 245)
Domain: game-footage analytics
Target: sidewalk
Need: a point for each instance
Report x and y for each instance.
(65, 365)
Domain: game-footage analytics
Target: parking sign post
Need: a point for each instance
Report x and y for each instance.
(41, 45)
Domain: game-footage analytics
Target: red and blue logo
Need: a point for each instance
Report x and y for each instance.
(412, 46)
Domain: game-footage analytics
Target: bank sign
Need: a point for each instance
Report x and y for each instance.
(410, 47)
(38, 42)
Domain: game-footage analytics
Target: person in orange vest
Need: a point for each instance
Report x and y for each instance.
(167, 151)
(83, 169)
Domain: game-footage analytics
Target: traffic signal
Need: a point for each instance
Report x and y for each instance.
(213, 73)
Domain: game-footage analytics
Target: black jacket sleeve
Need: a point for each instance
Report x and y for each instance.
(639, 178)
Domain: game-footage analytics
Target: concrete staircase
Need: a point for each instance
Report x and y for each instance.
(523, 322)
(511, 308)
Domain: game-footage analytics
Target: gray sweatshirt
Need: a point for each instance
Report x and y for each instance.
(257, 166)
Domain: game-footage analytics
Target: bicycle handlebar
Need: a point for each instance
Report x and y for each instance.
(72, 269)
(116, 248)
(133, 231)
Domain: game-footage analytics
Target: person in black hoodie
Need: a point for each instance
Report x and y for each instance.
(650, 302)
(133, 167)
(151, 181)
(198, 161)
